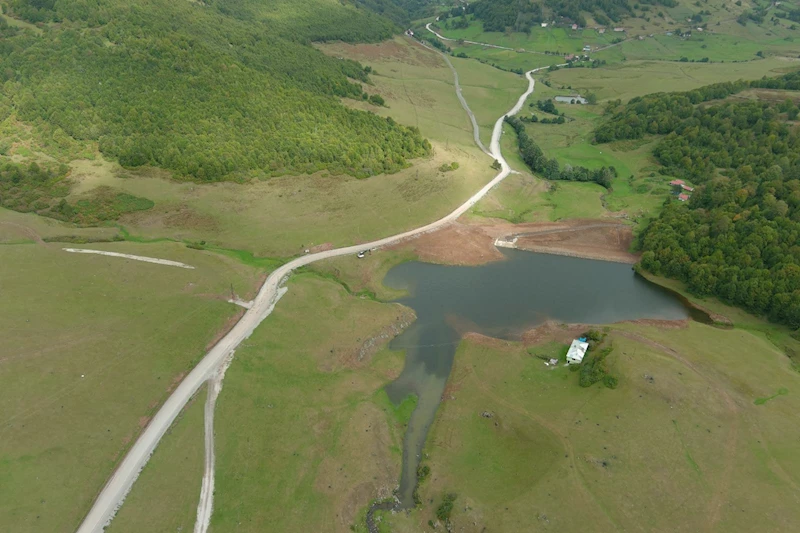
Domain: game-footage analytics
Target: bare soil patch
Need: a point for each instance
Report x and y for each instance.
(179, 216)
(591, 239)
(15, 229)
(465, 243)
(389, 50)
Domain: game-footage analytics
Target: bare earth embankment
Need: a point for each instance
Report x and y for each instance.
(465, 243)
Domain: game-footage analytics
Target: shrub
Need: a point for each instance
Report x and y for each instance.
(610, 381)
(445, 509)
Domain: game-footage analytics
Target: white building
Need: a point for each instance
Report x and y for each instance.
(576, 352)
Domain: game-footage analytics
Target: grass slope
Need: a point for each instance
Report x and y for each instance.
(680, 445)
(305, 436)
(91, 346)
(165, 496)
(286, 215)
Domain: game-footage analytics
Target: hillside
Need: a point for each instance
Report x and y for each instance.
(735, 235)
(523, 15)
(209, 91)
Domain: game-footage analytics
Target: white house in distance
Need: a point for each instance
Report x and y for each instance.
(576, 352)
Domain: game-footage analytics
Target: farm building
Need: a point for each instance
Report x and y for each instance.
(576, 351)
(683, 197)
(571, 99)
(677, 183)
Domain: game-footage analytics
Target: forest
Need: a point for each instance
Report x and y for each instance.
(210, 90)
(738, 237)
(549, 168)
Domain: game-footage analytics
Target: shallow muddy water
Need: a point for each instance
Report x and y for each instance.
(502, 299)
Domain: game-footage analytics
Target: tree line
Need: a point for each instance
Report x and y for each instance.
(549, 168)
(738, 237)
(660, 113)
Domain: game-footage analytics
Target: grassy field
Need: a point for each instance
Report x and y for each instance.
(656, 39)
(506, 59)
(306, 438)
(686, 442)
(637, 78)
(19, 228)
(165, 496)
(777, 334)
(490, 93)
(555, 40)
(91, 346)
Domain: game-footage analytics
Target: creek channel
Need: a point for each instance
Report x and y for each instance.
(503, 299)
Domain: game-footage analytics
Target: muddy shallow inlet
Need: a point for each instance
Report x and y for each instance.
(502, 299)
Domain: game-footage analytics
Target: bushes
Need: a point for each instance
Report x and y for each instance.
(594, 367)
(43, 188)
(445, 509)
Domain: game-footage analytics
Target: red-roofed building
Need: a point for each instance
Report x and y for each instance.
(687, 188)
(683, 197)
(677, 183)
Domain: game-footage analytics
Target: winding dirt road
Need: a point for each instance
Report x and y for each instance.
(120, 483)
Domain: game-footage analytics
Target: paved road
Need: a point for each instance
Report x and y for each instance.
(114, 492)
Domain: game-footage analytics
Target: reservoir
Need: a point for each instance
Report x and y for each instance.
(502, 299)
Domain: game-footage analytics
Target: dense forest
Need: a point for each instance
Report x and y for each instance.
(549, 168)
(218, 89)
(738, 237)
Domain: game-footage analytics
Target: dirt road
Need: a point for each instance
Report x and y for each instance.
(114, 492)
(157, 261)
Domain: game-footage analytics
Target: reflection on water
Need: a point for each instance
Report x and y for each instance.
(502, 300)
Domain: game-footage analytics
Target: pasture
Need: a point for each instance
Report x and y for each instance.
(92, 345)
(305, 436)
(165, 496)
(682, 444)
